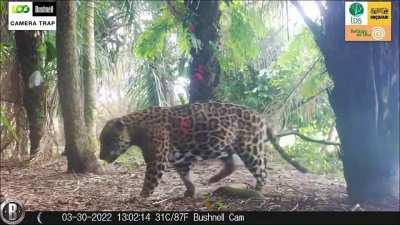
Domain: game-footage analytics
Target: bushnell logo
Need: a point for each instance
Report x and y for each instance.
(20, 9)
(12, 212)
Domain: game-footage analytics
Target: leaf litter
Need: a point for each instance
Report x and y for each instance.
(49, 187)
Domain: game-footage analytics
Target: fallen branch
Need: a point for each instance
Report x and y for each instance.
(293, 91)
(302, 136)
(300, 104)
(283, 154)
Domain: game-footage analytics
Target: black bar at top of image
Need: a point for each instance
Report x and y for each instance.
(41, 4)
(167, 217)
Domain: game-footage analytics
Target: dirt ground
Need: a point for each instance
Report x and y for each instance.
(49, 187)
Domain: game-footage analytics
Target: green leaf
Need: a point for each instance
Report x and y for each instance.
(151, 42)
(309, 87)
(183, 40)
(5, 122)
(196, 43)
(51, 51)
(239, 27)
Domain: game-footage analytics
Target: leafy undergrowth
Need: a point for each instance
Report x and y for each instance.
(130, 160)
(49, 187)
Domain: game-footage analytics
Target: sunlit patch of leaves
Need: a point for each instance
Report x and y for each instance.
(299, 69)
(212, 203)
(151, 42)
(5, 124)
(317, 158)
(5, 51)
(131, 159)
(240, 26)
(152, 85)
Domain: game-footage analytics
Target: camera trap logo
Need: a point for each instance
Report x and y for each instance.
(368, 21)
(20, 8)
(32, 15)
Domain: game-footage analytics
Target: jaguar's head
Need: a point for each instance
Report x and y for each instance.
(114, 140)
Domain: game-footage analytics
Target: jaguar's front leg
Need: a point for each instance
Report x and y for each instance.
(154, 172)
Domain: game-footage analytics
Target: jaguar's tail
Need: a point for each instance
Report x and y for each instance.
(282, 152)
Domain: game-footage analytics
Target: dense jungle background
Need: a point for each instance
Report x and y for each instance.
(334, 105)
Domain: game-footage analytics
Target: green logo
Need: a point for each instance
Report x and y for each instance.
(356, 9)
(20, 9)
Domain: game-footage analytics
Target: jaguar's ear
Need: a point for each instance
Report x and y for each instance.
(119, 124)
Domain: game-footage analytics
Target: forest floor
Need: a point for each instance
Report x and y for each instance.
(49, 187)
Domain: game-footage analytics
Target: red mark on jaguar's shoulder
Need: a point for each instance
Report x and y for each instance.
(184, 125)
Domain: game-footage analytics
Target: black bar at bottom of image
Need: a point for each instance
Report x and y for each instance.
(214, 217)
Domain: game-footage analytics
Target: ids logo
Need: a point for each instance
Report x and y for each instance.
(356, 10)
(368, 20)
(20, 9)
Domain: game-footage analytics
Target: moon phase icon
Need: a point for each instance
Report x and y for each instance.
(38, 217)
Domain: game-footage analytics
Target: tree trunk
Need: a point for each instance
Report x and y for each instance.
(204, 68)
(80, 158)
(34, 97)
(89, 74)
(365, 100)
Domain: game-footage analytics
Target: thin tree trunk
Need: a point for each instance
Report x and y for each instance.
(365, 100)
(80, 158)
(34, 97)
(21, 128)
(89, 74)
(204, 68)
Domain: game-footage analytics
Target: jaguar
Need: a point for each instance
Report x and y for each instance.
(182, 135)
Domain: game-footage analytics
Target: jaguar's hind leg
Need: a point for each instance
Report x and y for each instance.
(228, 169)
(255, 162)
(184, 172)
